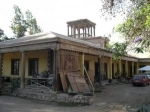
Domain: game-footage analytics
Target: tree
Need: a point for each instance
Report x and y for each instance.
(3, 37)
(22, 24)
(18, 25)
(136, 26)
(32, 23)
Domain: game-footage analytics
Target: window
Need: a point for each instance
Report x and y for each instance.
(15, 66)
(33, 66)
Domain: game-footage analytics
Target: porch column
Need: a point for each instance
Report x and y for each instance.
(99, 69)
(137, 67)
(132, 68)
(91, 31)
(54, 70)
(126, 64)
(23, 69)
(0, 66)
(68, 30)
(110, 68)
(94, 31)
(78, 32)
(88, 31)
(71, 31)
(120, 70)
(82, 64)
(85, 32)
(74, 32)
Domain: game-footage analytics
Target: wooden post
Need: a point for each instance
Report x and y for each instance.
(91, 31)
(54, 69)
(78, 32)
(132, 68)
(137, 67)
(0, 66)
(94, 31)
(23, 70)
(74, 32)
(126, 65)
(110, 65)
(88, 31)
(71, 31)
(99, 69)
(82, 64)
(120, 70)
(68, 30)
(85, 32)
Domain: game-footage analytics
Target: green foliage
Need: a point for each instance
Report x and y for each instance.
(117, 49)
(137, 25)
(21, 24)
(3, 37)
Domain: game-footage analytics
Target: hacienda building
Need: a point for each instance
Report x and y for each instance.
(53, 56)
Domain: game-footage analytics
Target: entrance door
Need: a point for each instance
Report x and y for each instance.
(33, 66)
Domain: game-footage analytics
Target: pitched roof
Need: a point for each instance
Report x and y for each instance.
(41, 38)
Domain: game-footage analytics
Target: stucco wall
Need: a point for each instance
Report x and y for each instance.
(42, 63)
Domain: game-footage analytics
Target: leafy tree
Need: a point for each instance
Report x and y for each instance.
(3, 37)
(18, 25)
(32, 23)
(24, 23)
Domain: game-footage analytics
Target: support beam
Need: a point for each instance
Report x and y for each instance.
(78, 32)
(120, 68)
(82, 64)
(137, 67)
(99, 69)
(54, 70)
(68, 30)
(74, 32)
(1, 55)
(132, 68)
(71, 32)
(88, 31)
(94, 31)
(23, 69)
(126, 66)
(110, 68)
(91, 31)
(85, 32)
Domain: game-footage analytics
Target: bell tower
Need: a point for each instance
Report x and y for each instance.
(81, 28)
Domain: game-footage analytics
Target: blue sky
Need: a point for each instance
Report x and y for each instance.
(52, 15)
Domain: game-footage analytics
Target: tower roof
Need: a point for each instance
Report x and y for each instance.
(81, 22)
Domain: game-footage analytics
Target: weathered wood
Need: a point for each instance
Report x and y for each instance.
(64, 81)
(23, 70)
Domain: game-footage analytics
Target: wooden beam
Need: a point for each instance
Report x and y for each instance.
(82, 64)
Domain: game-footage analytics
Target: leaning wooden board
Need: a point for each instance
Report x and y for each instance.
(78, 83)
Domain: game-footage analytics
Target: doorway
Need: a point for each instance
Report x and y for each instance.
(33, 66)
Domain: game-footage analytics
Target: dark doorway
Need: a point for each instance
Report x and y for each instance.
(33, 66)
(123, 70)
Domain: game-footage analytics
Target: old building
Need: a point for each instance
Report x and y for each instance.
(57, 55)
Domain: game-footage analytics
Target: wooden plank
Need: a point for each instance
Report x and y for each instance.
(64, 81)
(73, 83)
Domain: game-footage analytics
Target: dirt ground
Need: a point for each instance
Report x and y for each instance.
(113, 98)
